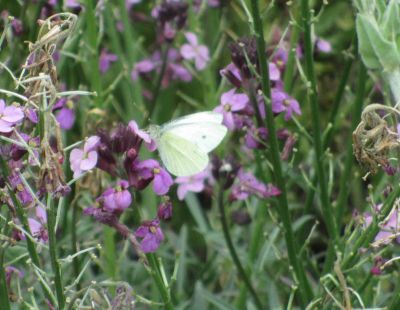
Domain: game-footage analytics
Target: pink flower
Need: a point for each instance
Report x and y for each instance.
(86, 159)
(105, 60)
(194, 183)
(141, 67)
(282, 102)
(152, 235)
(149, 142)
(323, 46)
(248, 185)
(195, 51)
(150, 169)
(230, 103)
(9, 116)
(118, 198)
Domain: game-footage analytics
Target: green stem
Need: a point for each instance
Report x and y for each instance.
(157, 87)
(344, 185)
(24, 221)
(156, 273)
(232, 251)
(5, 303)
(370, 232)
(76, 261)
(312, 94)
(327, 139)
(51, 214)
(291, 60)
(4, 300)
(283, 208)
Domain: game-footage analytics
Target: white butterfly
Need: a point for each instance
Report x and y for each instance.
(184, 143)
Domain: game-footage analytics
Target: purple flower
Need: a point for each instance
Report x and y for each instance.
(150, 169)
(105, 60)
(151, 235)
(323, 46)
(282, 102)
(73, 4)
(117, 199)
(164, 211)
(195, 51)
(248, 185)
(142, 67)
(230, 103)
(23, 194)
(274, 73)
(65, 113)
(38, 230)
(232, 73)
(149, 142)
(10, 270)
(17, 26)
(256, 137)
(86, 159)
(9, 116)
(130, 3)
(194, 183)
(389, 230)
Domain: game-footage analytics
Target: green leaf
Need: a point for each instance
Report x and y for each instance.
(376, 51)
(391, 21)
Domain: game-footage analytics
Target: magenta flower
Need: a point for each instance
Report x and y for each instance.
(150, 169)
(10, 270)
(323, 46)
(117, 199)
(86, 159)
(389, 230)
(194, 183)
(230, 103)
(142, 67)
(73, 4)
(9, 117)
(256, 137)
(274, 73)
(65, 113)
(105, 60)
(248, 185)
(23, 194)
(151, 235)
(282, 102)
(149, 142)
(164, 211)
(195, 51)
(130, 3)
(38, 230)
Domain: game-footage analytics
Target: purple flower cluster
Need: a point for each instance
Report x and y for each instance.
(117, 153)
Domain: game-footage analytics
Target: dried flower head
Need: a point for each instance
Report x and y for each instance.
(374, 139)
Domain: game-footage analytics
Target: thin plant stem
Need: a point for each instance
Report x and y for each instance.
(51, 212)
(158, 84)
(4, 297)
(232, 250)
(344, 180)
(283, 207)
(156, 273)
(291, 60)
(318, 146)
(327, 139)
(24, 221)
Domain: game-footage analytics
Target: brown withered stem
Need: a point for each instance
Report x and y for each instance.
(374, 138)
(40, 76)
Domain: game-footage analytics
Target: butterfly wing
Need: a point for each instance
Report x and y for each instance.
(203, 129)
(180, 156)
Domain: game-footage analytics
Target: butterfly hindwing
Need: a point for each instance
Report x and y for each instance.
(180, 156)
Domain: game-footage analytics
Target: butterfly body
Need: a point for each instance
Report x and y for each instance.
(184, 143)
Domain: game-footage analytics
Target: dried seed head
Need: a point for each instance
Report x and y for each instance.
(374, 139)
